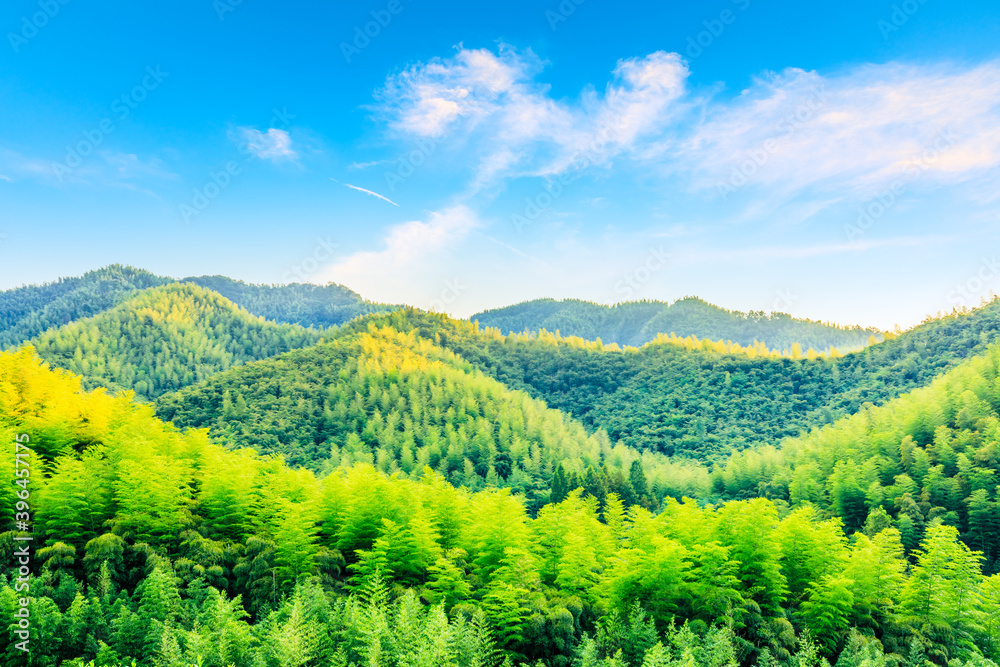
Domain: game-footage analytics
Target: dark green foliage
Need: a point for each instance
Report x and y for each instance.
(638, 322)
(216, 557)
(318, 306)
(403, 403)
(702, 403)
(28, 311)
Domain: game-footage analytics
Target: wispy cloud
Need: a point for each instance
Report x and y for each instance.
(274, 144)
(368, 165)
(129, 166)
(491, 103)
(809, 251)
(104, 168)
(849, 132)
(411, 250)
(369, 192)
(852, 132)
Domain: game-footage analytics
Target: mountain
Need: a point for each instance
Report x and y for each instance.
(380, 394)
(164, 338)
(664, 397)
(307, 305)
(696, 399)
(161, 547)
(702, 403)
(929, 456)
(638, 322)
(28, 311)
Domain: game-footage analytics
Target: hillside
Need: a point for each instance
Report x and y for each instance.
(27, 311)
(386, 397)
(165, 338)
(162, 547)
(699, 402)
(303, 304)
(930, 456)
(638, 322)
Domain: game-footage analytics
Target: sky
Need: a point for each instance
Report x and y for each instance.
(836, 161)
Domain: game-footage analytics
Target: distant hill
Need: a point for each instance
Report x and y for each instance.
(304, 304)
(638, 322)
(27, 311)
(701, 403)
(928, 456)
(165, 338)
(386, 396)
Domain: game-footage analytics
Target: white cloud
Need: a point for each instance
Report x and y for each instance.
(104, 168)
(854, 132)
(492, 103)
(850, 132)
(5, 178)
(274, 144)
(407, 266)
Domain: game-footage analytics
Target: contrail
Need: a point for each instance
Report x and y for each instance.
(369, 192)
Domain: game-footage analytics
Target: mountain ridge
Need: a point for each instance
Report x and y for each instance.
(637, 322)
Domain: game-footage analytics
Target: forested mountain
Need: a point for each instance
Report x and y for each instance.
(164, 548)
(303, 304)
(932, 455)
(28, 311)
(703, 403)
(458, 496)
(384, 396)
(165, 338)
(637, 322)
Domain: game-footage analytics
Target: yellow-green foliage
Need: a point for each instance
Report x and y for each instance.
(141, 518)
(401, 402)
(166, 338)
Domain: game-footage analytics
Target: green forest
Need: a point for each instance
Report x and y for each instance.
(165, 338)
(28, 311)
(637, 322)
(219, 476)
(165, 548)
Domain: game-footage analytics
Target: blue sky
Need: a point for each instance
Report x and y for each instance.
(837, 161)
